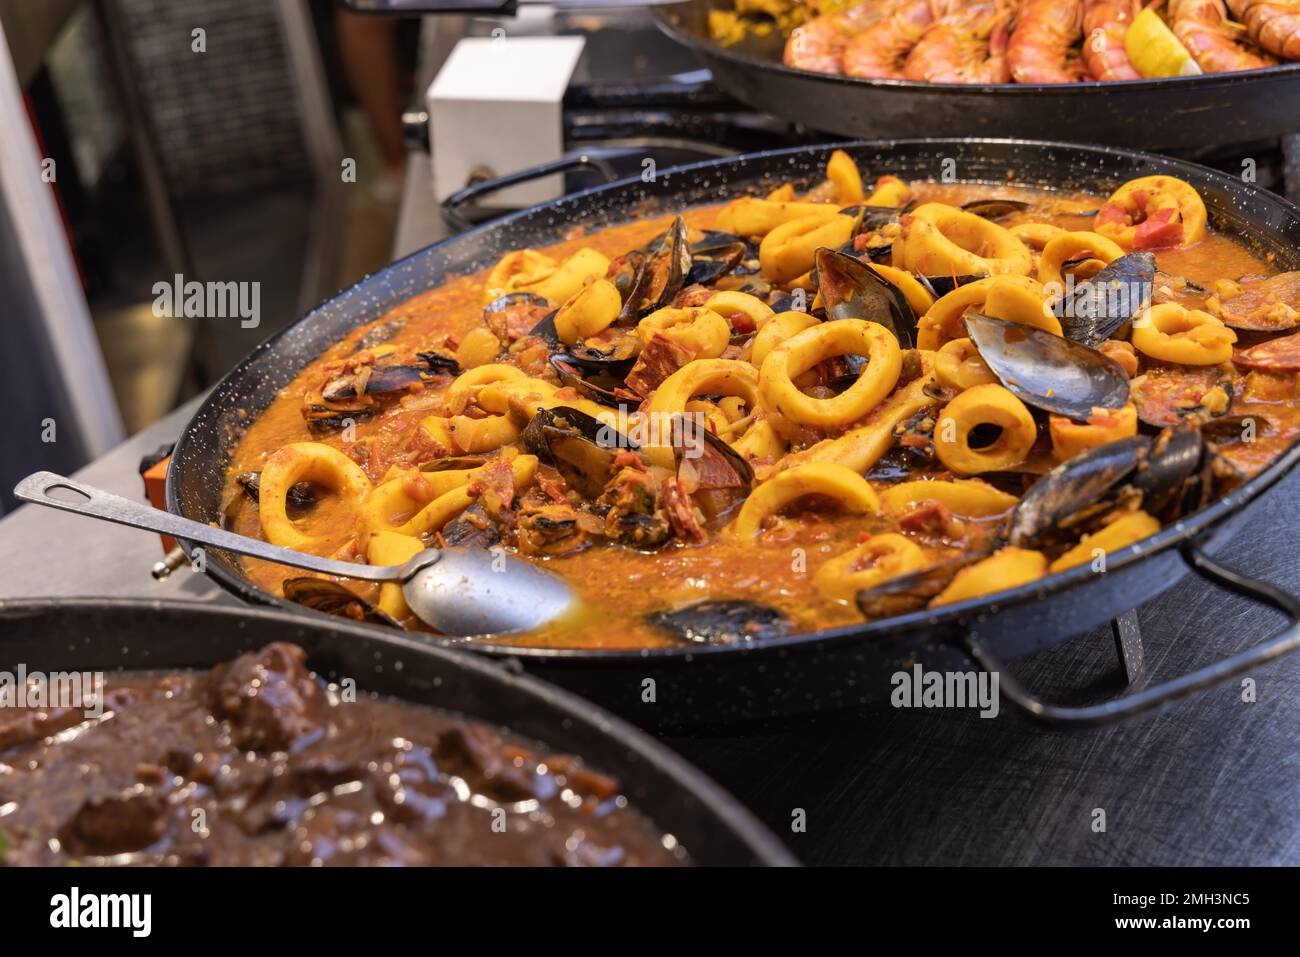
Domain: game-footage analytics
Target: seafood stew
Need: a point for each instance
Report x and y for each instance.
(693, 535)
(281, 769)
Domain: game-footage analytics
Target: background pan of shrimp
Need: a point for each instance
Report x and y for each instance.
(1178, 113)
(701, 684)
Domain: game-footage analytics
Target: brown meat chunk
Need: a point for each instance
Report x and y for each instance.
(269, 698)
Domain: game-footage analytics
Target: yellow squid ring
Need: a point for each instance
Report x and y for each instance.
(709, 376)
(782, 326)
(751, 216)
(787, 252)
(1035, 235)
(305, 462)
(1007, 568)
(1014, 298)
(1070, 438)
(843, 173)
(731, 302)
(966, 498)
(701, 330)
(1172, 333)
(1074, 246)
(836, 338)
(984, 405)
(958, 366)
(589, 311)
(1141, 199)
(941, 240)
(878, 559)
(849, 490)
(1121, 533)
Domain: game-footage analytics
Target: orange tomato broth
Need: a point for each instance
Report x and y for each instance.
(621, 585)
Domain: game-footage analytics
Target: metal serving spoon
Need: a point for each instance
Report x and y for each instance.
(458, 591)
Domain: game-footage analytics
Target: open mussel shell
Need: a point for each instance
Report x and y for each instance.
(613, 353)
(851, 289)
(724, 621)
(373, 381)
(1235, 428)
(1095, 310)
(913, 591)
(328, 596)
(1047, 371)
(661, 274)
(715, 255)
(600, 385)
(453, 463)
(995, 209)
(582, 449)
(721, 477)
(1076, 485)
(473, 529)
(441, 362)
(516, 313)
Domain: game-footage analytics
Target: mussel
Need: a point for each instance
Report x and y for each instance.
(582, 449)
(372, 382)
(328, 596)
(995, 209)
(852, 289)
(718, 253)
(1047, 371)
(1095, 310)
(915, 590)
(717, 477)
(603, 385)
(440, 362)
(473, 529)
(724, 621)
(661, 273)
(940, 286)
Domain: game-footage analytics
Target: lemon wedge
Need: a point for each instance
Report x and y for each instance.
(1154, 49)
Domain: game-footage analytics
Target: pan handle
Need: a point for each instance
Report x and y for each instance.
(1128, 705)
(451, 206)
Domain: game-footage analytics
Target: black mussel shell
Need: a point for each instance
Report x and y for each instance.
(870, 218)
(724, 621)
(1048, 371)
(473, 529)
(545, 330)
(1096, 309)
(382, 380)
(328, 596)
(716, 254)
(662, 273)
(940, 286)
(995, 208)
(1174, 457)
(453, 463)
(514, 313)
(1235, 428)
(1074, 486)
(913, 591)
(612, 356)
(718, 471)
(438, 361)
(852, 289)
(302, 495)
(599, 385)
(581, 448)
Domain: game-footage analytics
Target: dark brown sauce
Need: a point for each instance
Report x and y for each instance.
(259, 763)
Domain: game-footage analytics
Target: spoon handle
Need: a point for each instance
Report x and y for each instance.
(96, 503)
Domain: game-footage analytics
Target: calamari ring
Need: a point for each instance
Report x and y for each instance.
(1070, 438)
(699, 329)
(590, 310)
(761, 443)
(1035, 235)
(461, 433)
(1171, 333)
(751, 216)
(787, 252)
(782, 326)
(1152, 212)
(584, 266)
(516, 271)
(1007, 568)
(878, 559)
(1121, 533)
(297, 462)
(942, 240)
(964, 497)
(917, 296)
(392, 499)
(849, 490)
(843, 173)
(701, 376)
(984, 405)
(731, 302)
(450, 504)
(391, 548)
(828, 339)
(958, 366)
(1070, 246)
(1016, 299)
(527, 397)
(462, 388)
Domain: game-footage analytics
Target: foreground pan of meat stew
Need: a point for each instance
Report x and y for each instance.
(388, 752)
(994, 547)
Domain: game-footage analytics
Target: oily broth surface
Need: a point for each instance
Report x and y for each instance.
(621, 584)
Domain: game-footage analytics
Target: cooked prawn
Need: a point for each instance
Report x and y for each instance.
(819, 44)
(1104, 24)
(1039, 48)
(968, 46)
(1203, 27)
(880, 49)
(1273, 24)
